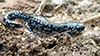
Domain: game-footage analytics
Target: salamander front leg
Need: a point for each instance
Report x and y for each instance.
(31, 30)
(28, 27)
(69, 34)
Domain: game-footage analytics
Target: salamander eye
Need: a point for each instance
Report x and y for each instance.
(80, 27)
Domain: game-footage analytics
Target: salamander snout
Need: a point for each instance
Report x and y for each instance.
(80, 27)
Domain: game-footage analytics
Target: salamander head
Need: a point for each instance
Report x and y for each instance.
(76, 26)
(79, 27)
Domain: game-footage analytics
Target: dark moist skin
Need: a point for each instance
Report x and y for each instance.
(41, 24)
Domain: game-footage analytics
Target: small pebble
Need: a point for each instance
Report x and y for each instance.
(23, 39)
(85, 3)
(9, 38)
(96, 28)
(54, 53)
(18, 36)
(20, 51)
(23, 47)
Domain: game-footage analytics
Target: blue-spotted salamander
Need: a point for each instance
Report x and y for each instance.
(41, 24)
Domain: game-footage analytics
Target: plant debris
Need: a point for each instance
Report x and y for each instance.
(20, 42)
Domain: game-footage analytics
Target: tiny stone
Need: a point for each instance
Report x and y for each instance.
(54, 53)
(23, 39)
(20, 51)
(96, 28)
(85, 3)
(18, 36)
(8, 38)
(23, 47)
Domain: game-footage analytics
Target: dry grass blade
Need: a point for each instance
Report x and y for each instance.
(91, 18)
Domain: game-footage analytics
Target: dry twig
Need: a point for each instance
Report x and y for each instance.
(41, 7)
(91, 18)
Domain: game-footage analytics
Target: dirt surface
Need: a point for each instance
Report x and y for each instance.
(20, 42)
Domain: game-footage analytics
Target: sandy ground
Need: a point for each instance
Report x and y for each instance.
(20, 42)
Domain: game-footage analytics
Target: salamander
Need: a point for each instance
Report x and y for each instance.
(33, 21)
